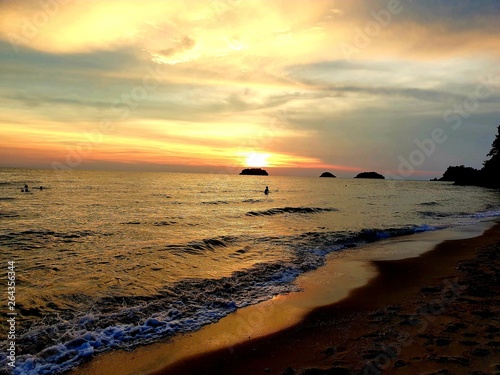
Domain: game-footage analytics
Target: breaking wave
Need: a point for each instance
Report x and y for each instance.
(66, 339)
(292, 210)
(201, 246)
(36, 239)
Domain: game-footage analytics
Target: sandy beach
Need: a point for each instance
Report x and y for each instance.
(434, 313)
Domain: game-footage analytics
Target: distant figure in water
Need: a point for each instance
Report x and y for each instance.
(25, 190)
(41, 187)
(267, 190)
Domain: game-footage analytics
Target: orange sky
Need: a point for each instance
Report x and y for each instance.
(209, 85)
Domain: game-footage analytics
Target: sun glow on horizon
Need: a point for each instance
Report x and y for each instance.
(256, 160)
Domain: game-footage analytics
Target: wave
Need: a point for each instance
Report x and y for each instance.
(430, 204)
(294, 210)
(215, 202)
(201, 246)
(461, 215)
(160, 223)
(251, 200)
(434, 214)
(13, 183)
(8, 215)
(129, 321)
(488, 213)
(164, 223)
(36, 239)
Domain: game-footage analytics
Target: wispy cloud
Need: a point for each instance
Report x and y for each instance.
(225, 73)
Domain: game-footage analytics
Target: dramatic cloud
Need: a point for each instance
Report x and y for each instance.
(344, 85)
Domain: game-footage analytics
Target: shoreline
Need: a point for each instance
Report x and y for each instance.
(261, 339)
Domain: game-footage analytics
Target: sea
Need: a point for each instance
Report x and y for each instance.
(115, 260)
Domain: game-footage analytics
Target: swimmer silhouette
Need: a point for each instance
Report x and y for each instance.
(267, 190)
(26, 190)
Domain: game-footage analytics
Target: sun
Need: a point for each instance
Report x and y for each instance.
(256, 160)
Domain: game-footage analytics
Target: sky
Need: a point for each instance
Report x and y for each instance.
(405, 88)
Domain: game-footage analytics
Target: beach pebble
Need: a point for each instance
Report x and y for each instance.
(451, 359)
(430, 290)
(370, 353)
(441, 372)
(329, 351)
(492, 329)
(400, 363)
(314, 371)
(469, 343)
(480, 352)
(454, 327)
(495, 366)
(443, 342)
(339, 371)
(469, 334)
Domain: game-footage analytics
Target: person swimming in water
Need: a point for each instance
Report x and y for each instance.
(267, 190)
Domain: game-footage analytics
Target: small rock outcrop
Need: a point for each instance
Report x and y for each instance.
(370, 175)
(327, 174)
(254, 172)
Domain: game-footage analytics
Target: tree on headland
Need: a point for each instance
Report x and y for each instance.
(491, 167)
(488, 176)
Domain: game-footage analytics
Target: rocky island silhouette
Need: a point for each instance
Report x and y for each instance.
(254, 172)
(327, 174)
(374, 175)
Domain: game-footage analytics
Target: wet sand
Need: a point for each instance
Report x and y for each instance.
(436, 312)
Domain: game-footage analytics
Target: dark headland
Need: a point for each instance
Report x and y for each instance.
(254, 172)
(370, 175)
(488, 176)
(327, 174)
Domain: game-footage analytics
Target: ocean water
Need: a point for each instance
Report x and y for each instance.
(108, 260)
